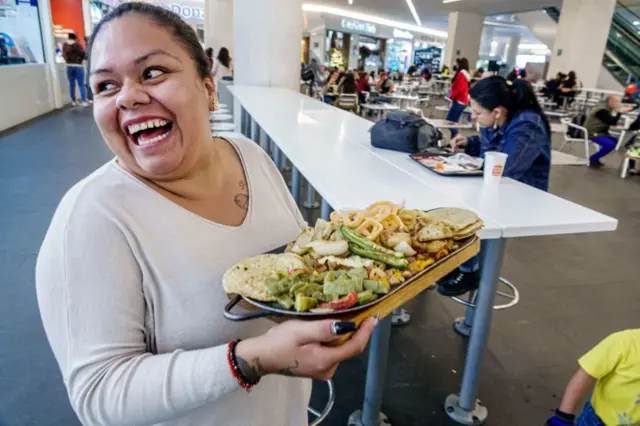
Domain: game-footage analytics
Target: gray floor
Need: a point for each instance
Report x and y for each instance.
(575, 290)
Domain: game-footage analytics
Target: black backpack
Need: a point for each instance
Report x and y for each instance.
(405, 132)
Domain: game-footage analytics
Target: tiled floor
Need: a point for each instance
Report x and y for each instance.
(575, 290)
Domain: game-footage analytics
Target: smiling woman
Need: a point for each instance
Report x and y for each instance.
(128, 276)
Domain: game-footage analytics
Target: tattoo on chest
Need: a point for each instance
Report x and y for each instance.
(242, 199)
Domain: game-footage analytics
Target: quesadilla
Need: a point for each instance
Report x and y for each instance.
(248, 277)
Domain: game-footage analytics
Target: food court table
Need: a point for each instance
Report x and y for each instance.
(380, 108)
(440, 123)
(405, 100)
(312, 135)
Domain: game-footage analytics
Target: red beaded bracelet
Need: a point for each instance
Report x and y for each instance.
(244, 383)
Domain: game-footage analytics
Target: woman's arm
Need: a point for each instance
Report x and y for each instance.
(577, 388)
(522, 144)
(474, 146)
(92, 303)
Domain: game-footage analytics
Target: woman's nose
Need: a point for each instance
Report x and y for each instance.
(132, 95)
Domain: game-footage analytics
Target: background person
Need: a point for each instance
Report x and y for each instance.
(128, 276)
(222, 66)
(612, 371)
(568, 89)
(74, 54)
(363, 86)
(512, 122)
(598, 123)
(459, 93)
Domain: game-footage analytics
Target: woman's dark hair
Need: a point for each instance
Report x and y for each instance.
(349, 84)
(494, 92)
(224, 57)
(72, 36)
(209, 52)
(180, 30)
(571, 79)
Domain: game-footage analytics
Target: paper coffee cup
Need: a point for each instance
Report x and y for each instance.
(494, 166)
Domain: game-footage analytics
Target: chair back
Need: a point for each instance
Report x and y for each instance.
(347, 100)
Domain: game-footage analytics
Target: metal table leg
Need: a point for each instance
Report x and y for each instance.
(376, 370)
(243, 121)
(325, 210)
(255, 134)
(463, 325)
(295, 184)
(310, 201)
(276, 154)
(464, 408)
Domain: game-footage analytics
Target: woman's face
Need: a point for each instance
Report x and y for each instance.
(484, 117)
(150, 104)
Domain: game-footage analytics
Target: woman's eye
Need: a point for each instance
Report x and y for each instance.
(150, 73)
(104, 86)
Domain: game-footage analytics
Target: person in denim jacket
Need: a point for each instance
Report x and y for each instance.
(512, 122)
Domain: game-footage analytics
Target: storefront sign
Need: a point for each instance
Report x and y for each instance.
(187, 12)
(402, 34)
(358, 26)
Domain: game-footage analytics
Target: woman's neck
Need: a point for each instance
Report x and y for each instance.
(203, 180)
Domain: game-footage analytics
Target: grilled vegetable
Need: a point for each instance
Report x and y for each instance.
(340, 283)
(357, 272)
(286, 302)
(366, 297)
(346, 302)
(405, 248)
(378, 287)
(358, 240)
(275, 286)
(382, 257)
(329, 248)
(304, 303)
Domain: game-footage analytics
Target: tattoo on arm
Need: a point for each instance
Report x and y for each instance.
(242, 199)
(288, 371)
(251, 370)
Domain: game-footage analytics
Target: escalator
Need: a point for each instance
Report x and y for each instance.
(622, 54)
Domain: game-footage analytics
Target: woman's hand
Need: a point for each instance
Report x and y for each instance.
(458, 143)
(297, 348)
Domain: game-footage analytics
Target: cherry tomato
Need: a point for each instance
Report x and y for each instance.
(343, 303)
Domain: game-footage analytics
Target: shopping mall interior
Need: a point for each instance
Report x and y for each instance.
(450, 180)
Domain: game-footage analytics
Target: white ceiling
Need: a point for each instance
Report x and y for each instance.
(433, 13)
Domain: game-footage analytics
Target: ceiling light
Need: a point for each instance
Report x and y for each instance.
(636, 22)
(313, 7)
(414, 13)
(350, 1)
(449, 1)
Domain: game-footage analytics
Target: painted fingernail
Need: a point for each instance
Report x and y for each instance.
(376, 319)
(339, 328)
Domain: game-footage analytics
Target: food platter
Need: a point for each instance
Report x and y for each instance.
(261, 309)
(353, 262)
(443, 165)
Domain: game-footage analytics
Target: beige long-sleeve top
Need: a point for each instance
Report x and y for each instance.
(129, 290)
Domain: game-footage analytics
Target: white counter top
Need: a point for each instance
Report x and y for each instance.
(332, 149)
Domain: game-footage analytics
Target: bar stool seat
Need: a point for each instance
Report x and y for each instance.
(321, 415)
(223, 127)
(215, 116)
(463, 325)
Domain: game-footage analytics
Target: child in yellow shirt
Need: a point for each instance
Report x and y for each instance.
(613, 367)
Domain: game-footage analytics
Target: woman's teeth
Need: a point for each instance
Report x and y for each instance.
(149, 124)
(153, 140)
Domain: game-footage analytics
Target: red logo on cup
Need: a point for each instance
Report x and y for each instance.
(497, 170)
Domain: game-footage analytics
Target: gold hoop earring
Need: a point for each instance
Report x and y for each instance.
(214, 102)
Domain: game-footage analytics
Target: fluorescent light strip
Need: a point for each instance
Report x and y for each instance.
(312, 7)
(449, 1)
(414, 13)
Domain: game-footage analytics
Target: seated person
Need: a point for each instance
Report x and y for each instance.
(552, 86)
(362, 85)
(612, 370)
(567, 90)
(425, 77)
(512, 122)
(598, 123)
(384, 85)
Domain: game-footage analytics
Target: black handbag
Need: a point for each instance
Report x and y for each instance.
(404, 132)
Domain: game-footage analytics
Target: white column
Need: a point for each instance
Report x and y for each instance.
(86, 19)
(581, 38)
(354, 54)
(218, 25)
(465, 32)
(485, 41)
(317, 44)
(48, 42)
(267, 43)
(512, 52)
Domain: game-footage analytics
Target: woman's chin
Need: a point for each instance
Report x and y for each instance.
(157, 167)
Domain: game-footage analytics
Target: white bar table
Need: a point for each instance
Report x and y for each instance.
(312, 134)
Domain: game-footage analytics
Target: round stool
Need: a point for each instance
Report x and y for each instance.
(321, 415)
(462, 325)
(223, 127)
(220, 117)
